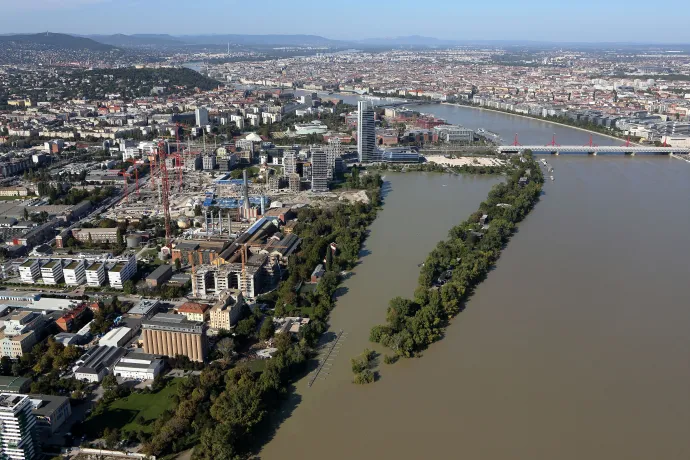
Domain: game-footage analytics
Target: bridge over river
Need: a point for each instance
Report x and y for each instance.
(593, 150)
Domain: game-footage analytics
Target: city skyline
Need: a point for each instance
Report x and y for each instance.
(585, 22)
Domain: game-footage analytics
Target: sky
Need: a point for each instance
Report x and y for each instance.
(540, 20)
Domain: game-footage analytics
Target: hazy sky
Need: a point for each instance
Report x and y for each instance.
(548, 20)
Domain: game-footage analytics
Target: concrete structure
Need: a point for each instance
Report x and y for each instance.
(116, 337)
(18, 432)
(289, 163)
(50, 412)
(227, 311)
(366, 132)
(172, 335)
(122, 271)
(96, 363)
(138, 366)
(159, 276)
(294, 182)
(75, 273)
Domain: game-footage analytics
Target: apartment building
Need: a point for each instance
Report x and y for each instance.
(14, 347)
(30, 271)
(17, 428)
(52, 273)
(194, 311)
(171, 335)
(75, 273)
(95, 274)
(366, 131)
(122, 271)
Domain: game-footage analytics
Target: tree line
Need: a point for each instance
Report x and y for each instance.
(457, 265)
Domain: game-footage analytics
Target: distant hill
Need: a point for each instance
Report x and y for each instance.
(58, 41)
(411, 40)
(261, 40)
(136, 40)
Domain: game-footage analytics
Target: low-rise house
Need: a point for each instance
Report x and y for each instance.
(97, 362)
(194, 311)
(139, 366)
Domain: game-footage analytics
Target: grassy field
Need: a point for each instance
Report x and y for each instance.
(123, 413)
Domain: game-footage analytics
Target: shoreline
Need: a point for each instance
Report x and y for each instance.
(535, 118)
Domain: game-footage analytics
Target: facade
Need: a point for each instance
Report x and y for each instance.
(95, 274)
(51, 272)
(227, 311)
(201, 116)
(75, 273)
(97, 235)
(294, 182)
(15, 346)
(454, 134)
(122, 271)
(194, 311)
(30, 271)
(334, 152)
(209, 162)
(68, 321)
(138, 366)
(50, 412)
(366, 132)
(289, 163)
(96, 363)
(17, 428)
(159, 276)
(198, 252)
(320, 171)
(172, 335)
(400, 155)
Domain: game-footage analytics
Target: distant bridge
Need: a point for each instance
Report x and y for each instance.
(591, 149)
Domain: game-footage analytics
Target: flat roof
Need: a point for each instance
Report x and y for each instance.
(12, 384)
(144, 307)
(160, 271)
(46, 405)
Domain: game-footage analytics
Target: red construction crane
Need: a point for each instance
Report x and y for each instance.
(126, 176)
(591, 142)
(515, 142)
(553, 142)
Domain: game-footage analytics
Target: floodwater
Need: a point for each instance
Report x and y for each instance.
(576, 346)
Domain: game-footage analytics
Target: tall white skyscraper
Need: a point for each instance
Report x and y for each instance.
(289, 163)
(201, 116)
(366, 132)
(17, 428)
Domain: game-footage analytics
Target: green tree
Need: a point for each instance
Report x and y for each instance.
(109, 382)
(129, 288)
(267, 330)
(178, 264)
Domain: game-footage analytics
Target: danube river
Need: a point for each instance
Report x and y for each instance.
(576, 346)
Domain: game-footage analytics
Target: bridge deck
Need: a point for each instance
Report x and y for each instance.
(592, 149)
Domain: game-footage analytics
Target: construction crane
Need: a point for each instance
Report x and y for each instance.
(126, 176)
(165, 186)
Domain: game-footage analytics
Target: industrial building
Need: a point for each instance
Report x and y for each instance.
(159, 276)
(96, 363)
(138, 366)
(198, 252)
(116, 337)
(10, 384)
(17, 428)
(171, 335)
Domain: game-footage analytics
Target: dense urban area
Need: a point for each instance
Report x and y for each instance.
(174, 236)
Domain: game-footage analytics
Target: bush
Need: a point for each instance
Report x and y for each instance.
(390, 359)
(364, 377)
